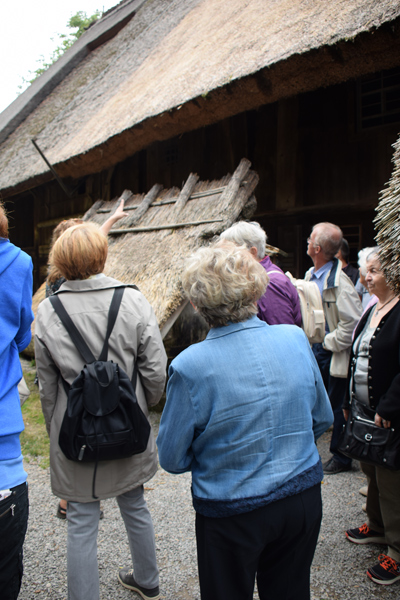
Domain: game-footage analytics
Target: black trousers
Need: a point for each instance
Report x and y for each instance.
(13, 523)
(275, 543)
(336, 388)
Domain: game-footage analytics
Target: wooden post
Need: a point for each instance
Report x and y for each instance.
(287, 148)
(186, 193)
(145, 203)
(231, 190)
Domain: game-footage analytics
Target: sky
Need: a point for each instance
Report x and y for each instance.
(26, 32)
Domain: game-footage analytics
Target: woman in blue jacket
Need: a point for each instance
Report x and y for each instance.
(15, 325)
(244, 408)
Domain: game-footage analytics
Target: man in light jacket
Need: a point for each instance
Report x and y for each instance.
(342, 309)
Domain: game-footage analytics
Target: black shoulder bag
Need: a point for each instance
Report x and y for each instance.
(363, 440)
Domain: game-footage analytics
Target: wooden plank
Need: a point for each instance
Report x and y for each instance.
(186, 192)
(204, 194)
(287, 150)
(55, 222)
(171, 320)
(231, 190)
(159, 227)
(145, 203)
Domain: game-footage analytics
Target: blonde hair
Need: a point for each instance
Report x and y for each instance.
(52, 272)
(80, 252)
(224, 283)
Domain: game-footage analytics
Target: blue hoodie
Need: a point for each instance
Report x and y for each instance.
(15, 334)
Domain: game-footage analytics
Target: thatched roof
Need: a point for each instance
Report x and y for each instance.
(163, 228)
(387, 224)
(182, 64)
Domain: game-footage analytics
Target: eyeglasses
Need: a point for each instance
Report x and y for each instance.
(309, 241)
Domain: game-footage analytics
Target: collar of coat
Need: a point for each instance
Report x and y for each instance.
(332, 280)
(90, 285)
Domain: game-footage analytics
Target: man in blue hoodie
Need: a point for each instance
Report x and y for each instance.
(15, 326)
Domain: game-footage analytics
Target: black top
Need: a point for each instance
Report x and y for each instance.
(352, 273)
(383, 365)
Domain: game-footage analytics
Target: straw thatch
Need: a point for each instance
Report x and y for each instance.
(152, 251)
(387, 224)
(156, 77)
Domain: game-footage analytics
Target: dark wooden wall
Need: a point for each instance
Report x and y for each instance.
(313, 162)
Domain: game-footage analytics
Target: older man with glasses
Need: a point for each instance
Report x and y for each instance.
(342, 309)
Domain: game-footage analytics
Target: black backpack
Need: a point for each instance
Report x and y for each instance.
(103, 419)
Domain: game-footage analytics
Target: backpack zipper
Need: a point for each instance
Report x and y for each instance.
(81, 452)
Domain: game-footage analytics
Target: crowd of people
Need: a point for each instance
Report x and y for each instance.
(244, 407)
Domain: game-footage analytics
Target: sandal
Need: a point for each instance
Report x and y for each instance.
(62, 513)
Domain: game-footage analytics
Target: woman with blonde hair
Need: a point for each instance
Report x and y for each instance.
(244, 408)
(54, 278)
(79, 255)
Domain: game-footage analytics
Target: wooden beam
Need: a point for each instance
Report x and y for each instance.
(55, 222)
(204, 194)
(145, 203)
(160, 227)
(185, 193)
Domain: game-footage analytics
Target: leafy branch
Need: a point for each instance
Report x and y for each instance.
(80, 21)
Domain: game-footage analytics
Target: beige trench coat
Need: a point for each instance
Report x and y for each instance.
(135, 336)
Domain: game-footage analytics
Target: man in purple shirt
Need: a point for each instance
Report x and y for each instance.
(280, 303)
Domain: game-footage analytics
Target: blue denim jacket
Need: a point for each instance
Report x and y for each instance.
(244, 408)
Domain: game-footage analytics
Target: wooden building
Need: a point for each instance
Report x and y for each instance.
(308, 91)
(149, 245)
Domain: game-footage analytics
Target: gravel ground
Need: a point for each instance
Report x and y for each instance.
(338, 571)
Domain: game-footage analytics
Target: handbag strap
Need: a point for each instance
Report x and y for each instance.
(74, 333)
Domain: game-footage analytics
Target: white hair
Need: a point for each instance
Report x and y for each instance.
(364, 255)
(249, 234)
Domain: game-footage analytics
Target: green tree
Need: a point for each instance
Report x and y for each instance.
(80, 22)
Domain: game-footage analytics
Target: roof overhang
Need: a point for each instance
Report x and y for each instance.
(328, 65)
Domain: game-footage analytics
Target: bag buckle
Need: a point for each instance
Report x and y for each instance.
(368, 437)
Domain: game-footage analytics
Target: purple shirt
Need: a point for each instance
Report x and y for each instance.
(280, 303)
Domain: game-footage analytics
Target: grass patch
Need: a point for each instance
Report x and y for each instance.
(35, 442)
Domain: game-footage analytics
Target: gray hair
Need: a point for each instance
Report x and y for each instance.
(249, 234)
(329, 238)
(364, 255)
(224, 282)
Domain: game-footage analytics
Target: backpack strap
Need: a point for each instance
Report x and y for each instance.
(74, 333)
(112, 316)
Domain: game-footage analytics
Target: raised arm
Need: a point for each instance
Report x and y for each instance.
(116, 216)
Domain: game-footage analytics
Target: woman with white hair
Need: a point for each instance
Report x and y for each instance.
(280, 303)
(366, 298)
(244, 408)
(374, 383)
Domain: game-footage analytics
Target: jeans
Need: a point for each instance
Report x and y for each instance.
(83, 522)
(336, 388)
(275, 543)
(14, 512)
